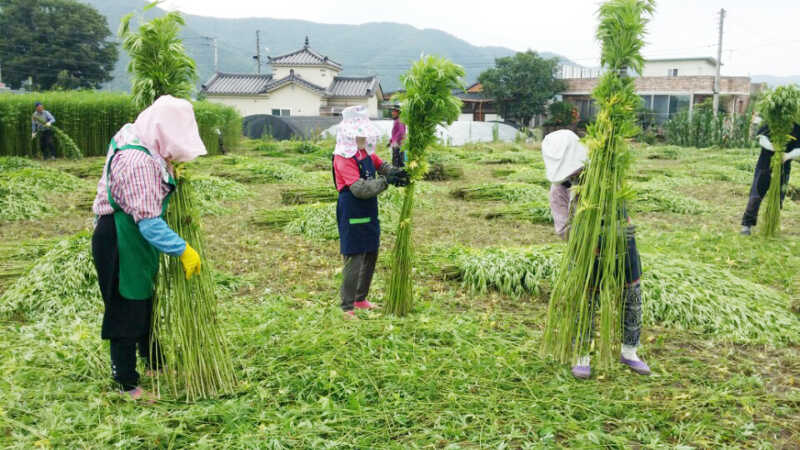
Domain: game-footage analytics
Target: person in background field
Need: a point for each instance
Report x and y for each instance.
(40, 125)
(763, 174)
(398, 136)
(130, 232)
(564, 158)
(359, 176)
(220, 141)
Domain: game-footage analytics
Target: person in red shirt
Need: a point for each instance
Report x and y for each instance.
(360, 176)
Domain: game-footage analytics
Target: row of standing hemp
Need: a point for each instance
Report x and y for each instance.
(92, 118)
(705, 129)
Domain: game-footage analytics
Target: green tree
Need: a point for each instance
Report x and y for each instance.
(522, 85)
(159, 62)
(42, 38)
(66, 81)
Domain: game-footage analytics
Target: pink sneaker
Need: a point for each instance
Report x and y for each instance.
(364, 304)
(135, 393)
(139, 394)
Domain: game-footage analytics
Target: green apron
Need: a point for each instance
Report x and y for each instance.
(138, 259)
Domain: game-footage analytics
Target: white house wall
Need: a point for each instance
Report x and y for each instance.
(246, 106)
(320, 76)
(685, 68)
(371, 104)
(300, 101)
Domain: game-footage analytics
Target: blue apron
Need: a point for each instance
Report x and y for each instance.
(359, 228)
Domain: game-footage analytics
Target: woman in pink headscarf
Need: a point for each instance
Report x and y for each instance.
(130, 233)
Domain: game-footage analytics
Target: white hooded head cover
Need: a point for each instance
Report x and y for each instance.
(355, 123)
(563, 155)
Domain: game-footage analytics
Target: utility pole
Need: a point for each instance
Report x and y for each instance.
(216, 54)
(258, 51)
(719, 60)
(213, 42)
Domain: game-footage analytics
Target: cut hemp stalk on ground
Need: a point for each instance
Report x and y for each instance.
(428, 101)
(780, 109)
(591, 278)
(67, 145)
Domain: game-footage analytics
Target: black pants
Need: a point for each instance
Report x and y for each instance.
(357, 277)
(632, 296)
(47, 143)
(126, 323)
(398, 157)
(123, 359)
(760, 186)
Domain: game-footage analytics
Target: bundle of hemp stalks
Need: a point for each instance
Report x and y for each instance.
(428, 102)
(591, 277)
(196, 362)
(780, 109)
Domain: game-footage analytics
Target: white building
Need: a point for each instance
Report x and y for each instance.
(680, 67)
(302, 83)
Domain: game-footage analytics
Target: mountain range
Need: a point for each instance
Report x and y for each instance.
(382, 49)
(775, 80)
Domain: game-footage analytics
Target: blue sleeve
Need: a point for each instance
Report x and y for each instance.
(50, 118)
(161, 236)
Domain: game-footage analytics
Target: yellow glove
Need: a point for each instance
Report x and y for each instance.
(191, 261)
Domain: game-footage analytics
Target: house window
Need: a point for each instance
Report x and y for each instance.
(672, 72)
(281, 112)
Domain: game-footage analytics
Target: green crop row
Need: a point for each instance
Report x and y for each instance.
(92, 118)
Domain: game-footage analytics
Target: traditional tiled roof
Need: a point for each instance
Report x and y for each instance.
(297, 79)
(472, 96)
(236, 83)
(306, 56)
(353, 87)
(255, 84)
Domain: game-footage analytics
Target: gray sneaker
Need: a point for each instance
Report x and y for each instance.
(745, 230)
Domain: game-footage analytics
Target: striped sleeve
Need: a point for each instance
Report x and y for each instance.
(136, 184)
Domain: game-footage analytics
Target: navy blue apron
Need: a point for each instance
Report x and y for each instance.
(359, 228)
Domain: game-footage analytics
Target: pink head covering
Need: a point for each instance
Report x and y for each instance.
(168, 128)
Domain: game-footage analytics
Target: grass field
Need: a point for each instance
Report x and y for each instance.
(462, 371)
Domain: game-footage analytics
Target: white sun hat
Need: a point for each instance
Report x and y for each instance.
(563, 155)
(355, 123)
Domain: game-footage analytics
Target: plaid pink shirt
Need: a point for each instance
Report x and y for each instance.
(138, 181)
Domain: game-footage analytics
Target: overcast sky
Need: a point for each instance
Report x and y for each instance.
(761, 36)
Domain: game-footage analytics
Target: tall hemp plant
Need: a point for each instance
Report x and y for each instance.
(428, 101)
(780, 109)
(185, 323)
(159, 63)
(591, 279)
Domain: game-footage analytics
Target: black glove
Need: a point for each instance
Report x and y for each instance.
(398, 177)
